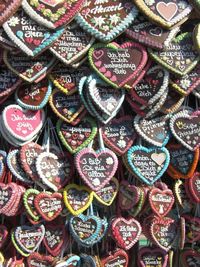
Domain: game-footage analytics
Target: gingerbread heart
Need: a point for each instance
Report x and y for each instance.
(194, 186)
(7, 196)
(132, 58)
(185, 128)
(77, 198)
(74, 138)
(8, 9)
(52, 14)
(179, 57)
(119, 134)
(34, 96)
(126, 232)
(33, 70)
(37, 259)
(107, 194)
(67, 107)
(190, 257)
(22, 124)
(55, 239)
(96, 168)
(119, 257)
(72, 45)
(129, 195)
(145, 32)
(192, 225)
(148, 164)
(31, 42)
(155, 131)
(28, 198)
(153, 256)
(48, 205)
(116, 17)
(3, 235)
(165, 13)
(161, 201)
(183, 162)
(54, 170)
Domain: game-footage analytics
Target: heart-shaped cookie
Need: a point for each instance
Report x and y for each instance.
(107, 194)
(167, 14)
(77, 198)
(145, 32)
(67, 107)
(28, 199)
(185, 127)
(126, 232)
(183, 162)
(192, 225)
(34, 96)
(75, 138)
(8, 9)
(105, 59)
(129, 195)
(155, 131)
(161, 201)
(7, 196)
(54, 170)
(22, 124)
(96, 168)
(72, 45)
(190, 257)
(119, 134)
(179, 57)
(52, 14)
(33, 70)
(118, 257)
(34, 41)
(37, 259)
(148, 164)
(194, 186)
(48, 205)
(153, 256)
(106, 20)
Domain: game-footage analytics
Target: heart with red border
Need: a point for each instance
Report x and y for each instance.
(132, 58)
(129, 195)
(183, 162)
(50, 14)
(55, 170)
(152, 257)
(74, 138)
(55, 239)
(37, 259)
(185, 127)
(194, 186)
(126, 232)
(192, 228)
(119, 134)
(8, 8)
(67, 107)
(49, 205)
(3, 235)
(118, 257)
(96, 168)
(7, 196)
(161, 201)
(190, 257)
(163, 232)
(22, 124)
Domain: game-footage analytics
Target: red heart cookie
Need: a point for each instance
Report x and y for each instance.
(119, 257)
(37, 259)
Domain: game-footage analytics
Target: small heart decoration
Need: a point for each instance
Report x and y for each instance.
(153, 256)
(116, 258)
(126, 232)
(107, 194)
(22, 124)
(132, 58)
(129, 195)
(183, 162)
(49, 206)
(54, 170)
(96, 168)
(126, 13)
(185, 128)
(74, 138)
(163, 232)
(148, 164)
(77, 198)
(119, 134)
(37, 259)
(49, 15)
(161, 201)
